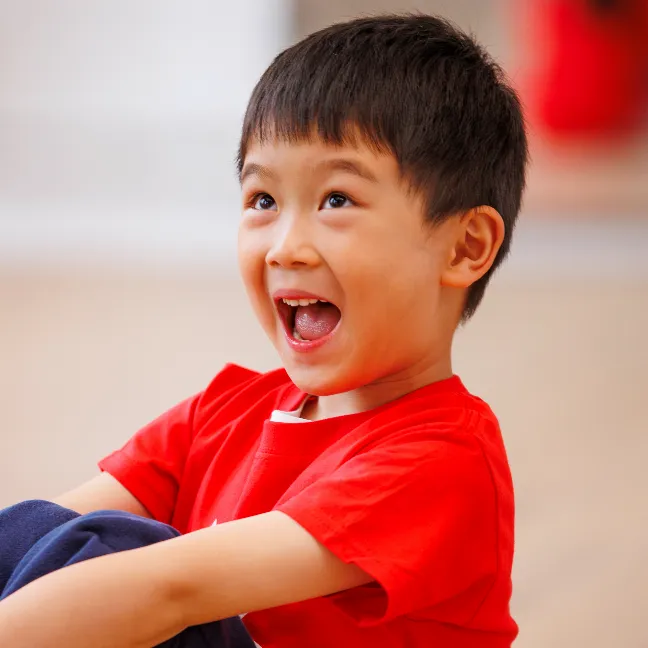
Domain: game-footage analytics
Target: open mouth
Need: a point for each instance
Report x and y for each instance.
(308, 319)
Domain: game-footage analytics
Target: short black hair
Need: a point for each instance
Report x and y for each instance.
(414, 85)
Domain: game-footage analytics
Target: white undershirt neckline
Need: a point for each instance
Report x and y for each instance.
(279, 416)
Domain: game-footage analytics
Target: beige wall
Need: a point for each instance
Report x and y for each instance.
(483, 17)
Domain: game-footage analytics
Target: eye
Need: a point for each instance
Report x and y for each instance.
(264, 202)
(336, 200)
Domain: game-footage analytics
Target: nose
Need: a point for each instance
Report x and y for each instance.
(292, 245)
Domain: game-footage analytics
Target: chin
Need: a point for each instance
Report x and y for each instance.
(318, 380)
(326, 378)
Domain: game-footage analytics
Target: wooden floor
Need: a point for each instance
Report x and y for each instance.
(85, 359)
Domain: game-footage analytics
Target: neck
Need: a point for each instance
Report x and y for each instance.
(377, 393)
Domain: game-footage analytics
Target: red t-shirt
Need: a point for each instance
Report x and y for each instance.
(417, 492)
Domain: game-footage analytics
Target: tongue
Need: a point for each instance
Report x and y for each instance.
(317, 320)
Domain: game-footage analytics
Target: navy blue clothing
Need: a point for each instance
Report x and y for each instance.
(38, 537)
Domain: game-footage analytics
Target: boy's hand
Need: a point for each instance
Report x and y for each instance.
(143, 597)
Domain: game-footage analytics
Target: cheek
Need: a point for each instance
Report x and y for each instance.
(252, 250)
(401, 291)
(251, 261)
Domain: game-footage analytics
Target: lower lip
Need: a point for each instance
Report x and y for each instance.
(304, 346)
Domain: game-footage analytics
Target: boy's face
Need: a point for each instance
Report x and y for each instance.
(338, 224)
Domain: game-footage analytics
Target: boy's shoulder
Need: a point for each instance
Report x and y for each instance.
(238, 388)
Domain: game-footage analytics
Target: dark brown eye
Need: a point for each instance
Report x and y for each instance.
(265, 202)
(335, 201)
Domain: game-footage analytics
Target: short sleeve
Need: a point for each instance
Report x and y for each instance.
(151, 464)
(417, 513)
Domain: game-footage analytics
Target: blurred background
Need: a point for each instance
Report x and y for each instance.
(119, 295)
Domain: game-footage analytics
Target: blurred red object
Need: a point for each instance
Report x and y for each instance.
(593, 78)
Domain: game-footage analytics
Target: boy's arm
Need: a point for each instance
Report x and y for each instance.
(143, 597)
(103, 492)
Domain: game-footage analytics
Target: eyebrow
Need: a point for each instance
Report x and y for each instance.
(256, 169)
(336, 164)
(348, 166)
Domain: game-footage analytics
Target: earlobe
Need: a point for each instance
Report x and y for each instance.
(479, 236)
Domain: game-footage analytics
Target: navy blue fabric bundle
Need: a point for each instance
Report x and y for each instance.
(38, 537)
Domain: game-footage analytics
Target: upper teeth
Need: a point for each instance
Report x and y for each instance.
(300, 302)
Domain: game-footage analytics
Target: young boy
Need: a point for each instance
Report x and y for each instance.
(360, 496)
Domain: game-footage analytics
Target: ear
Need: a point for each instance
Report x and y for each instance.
(478, 237)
